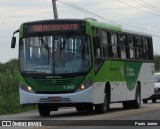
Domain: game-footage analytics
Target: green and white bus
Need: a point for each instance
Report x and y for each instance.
(83, 63)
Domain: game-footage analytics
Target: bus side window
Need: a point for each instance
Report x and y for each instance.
(130, 47)
(97, 48)
(114, 45)
(122, 43)
(145, 48)
(138, 47)
(150, 50)
(104, 40)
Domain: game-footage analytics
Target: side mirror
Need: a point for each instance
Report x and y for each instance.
(13, 42)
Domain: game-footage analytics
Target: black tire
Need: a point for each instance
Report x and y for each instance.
(145, 101)
(79, 108)
(136, 104)
(89, 108)
(44, 110)
(102, 108)
(154, 100)
(127, 104)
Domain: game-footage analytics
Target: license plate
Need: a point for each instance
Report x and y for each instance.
(54, 98)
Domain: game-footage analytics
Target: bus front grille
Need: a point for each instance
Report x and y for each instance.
(54, 82)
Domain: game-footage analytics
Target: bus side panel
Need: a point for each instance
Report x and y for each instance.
(146, 78)
(120, 92)
(98, 92)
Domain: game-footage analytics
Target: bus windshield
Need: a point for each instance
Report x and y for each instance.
(64, 54)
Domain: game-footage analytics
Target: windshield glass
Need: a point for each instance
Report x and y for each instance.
(157, 77)
(64, 54)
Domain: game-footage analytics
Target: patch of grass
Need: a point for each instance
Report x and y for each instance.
(9, 92)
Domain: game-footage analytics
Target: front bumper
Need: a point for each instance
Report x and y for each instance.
(86, 96)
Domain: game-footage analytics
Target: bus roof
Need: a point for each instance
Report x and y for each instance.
(114, 27)
(104, 25)
(93, 23)
(136, 32)
(55, 20)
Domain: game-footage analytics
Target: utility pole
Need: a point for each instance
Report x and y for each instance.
(55, 9)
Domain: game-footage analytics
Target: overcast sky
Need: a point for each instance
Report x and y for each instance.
(14, 12)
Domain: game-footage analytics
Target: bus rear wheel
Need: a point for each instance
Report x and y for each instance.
(103, 107)
(137, 102)
(154, 100)
(44, 110)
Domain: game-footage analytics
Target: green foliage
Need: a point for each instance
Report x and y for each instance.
(9, 94)
(157, 62)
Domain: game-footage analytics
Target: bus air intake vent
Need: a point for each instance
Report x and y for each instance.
(54, 82)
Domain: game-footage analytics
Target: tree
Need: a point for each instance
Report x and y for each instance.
(157, 62)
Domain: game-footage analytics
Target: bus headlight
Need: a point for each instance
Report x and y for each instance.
(84, 86)
(26, 88)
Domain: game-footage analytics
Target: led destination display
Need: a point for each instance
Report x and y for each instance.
(54, 27)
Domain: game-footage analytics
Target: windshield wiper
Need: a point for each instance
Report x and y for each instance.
(44, 43)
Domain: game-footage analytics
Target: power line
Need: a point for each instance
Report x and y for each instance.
(72, 5)
(148, 6)
(139, 8)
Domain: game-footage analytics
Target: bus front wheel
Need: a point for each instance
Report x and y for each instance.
(127, 104)
(44, 110)
(145, 100)
(79, 108)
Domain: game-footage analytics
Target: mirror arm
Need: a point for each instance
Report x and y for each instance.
(15, 32)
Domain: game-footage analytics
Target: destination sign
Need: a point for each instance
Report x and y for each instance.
(55, 27)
